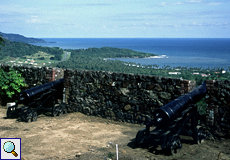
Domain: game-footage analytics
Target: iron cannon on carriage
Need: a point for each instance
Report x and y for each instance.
(171, 120)
(38, 99)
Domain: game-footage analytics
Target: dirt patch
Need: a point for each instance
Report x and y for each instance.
(75, 136)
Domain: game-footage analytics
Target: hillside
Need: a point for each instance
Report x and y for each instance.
(99, 59)
(103, 59)
(20, 38)
(23, 51)
(91, 58)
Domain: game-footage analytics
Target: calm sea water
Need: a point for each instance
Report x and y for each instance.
(177, 52)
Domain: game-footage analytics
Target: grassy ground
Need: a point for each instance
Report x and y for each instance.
(35, 59)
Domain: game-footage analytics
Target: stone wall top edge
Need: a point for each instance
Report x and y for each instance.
(106, 72)
(28, 66)
(120, 73)
(217, 82)
(224, 82)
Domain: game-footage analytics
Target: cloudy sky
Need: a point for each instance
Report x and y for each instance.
(116, 18)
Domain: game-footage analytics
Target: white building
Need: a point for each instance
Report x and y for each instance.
(176, 73)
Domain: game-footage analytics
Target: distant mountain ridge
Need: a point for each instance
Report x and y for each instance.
(20, 38)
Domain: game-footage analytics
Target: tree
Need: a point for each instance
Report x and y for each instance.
(1, 41)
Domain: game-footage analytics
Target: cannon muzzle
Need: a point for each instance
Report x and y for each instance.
(28, 96)
(169, 112)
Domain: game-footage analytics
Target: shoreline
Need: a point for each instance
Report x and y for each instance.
(159, 56)
(150, 57)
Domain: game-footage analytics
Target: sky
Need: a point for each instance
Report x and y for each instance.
(116, 18)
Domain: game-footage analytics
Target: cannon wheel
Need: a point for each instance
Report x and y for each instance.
(140, 137)
(34, 115)
(64, 108)
(55, 113)
(55, 110)
(28, 115)
(9, 113)
(65, 111)
(174, 145)
(199, 135)
(60, 111)
(23, 115)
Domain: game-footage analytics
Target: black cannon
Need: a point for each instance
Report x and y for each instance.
(169, 121)
(37, 99)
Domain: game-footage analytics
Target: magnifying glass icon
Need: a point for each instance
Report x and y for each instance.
(9, 147)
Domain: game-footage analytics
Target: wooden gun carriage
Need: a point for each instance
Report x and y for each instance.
(40, 98)
(171, 120)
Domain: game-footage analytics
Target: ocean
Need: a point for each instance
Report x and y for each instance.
(174, 52)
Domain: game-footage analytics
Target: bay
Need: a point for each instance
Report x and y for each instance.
(174, 52)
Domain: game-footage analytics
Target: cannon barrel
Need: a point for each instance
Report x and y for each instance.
(169, 112)
(27, 96)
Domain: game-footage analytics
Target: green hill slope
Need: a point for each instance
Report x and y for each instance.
(20, 38)
(21, 50)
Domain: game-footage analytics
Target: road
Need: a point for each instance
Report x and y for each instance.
(64, 58)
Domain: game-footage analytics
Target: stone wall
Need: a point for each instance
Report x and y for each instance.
(36, 75)
(118, 96)
(127, 97)
(218, 104)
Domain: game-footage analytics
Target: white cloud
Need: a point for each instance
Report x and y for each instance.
(34, 20)
(96, 17)
(194, 1)
(179, 3)
(225, 25)
(160, 25)
(186, 25)
(202, 24)
(214, 3)
(97, 4)
(16, 9)
(163, 4)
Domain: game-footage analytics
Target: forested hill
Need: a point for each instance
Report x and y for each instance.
(96, 59)
(108, 52)
(19, 50)
(20, 38)
(80, 58)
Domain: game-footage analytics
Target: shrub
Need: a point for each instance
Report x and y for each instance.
(10, 83)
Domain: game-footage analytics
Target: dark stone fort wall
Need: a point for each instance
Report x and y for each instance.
(35, 76)
(127, 97)
(218, 104)
(118, 96)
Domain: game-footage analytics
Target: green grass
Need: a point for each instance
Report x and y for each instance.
(39, 55)
(33, 59)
